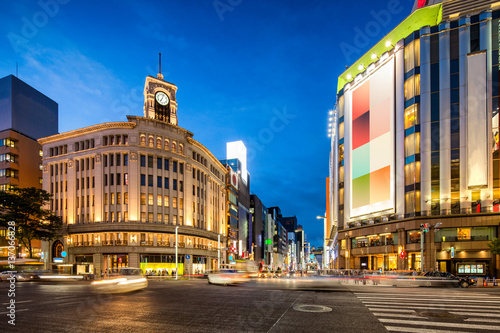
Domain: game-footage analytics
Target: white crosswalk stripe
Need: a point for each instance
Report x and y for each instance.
(439, 313)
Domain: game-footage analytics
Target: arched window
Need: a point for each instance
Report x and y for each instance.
(181, 149)
(143, 140)
(151, 141)
(158, 143)
(167, 145)
(174, 147)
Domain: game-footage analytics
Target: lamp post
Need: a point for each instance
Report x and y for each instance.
(324, 239)
(218, 251)
(177, 227)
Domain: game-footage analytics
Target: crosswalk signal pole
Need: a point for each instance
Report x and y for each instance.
(422, 229)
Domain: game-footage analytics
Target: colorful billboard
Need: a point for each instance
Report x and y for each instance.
(372, 142)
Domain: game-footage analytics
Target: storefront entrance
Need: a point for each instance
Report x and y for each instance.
(114, 261)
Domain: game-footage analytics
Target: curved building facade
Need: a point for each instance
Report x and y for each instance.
(125, 189)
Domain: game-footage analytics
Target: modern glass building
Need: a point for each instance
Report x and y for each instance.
(416, 145)
(22, 110)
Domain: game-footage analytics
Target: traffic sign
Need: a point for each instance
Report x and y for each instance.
(188, 256)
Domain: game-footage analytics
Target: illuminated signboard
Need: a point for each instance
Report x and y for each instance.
(372, 142)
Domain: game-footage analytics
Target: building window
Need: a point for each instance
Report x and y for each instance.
(167, 162)
(158, 181)
(412, 115)
(166, 182)
(150, 180)
(125, 159)
(143, 180)
(181, 149)
(143, 198)
(150, 199)
(174, 184)
(125, 198)
(166, 201)
(463, 233)
(174, 202)
(174, 166)
(159, 201)
(150, 161)
(159, 163)
(412, 144)
(143, 160)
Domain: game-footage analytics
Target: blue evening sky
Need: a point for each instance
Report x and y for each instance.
(264, 72)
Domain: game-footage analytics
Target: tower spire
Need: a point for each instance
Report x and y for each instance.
(160, 76)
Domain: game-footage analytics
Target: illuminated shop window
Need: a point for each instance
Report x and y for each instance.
(463, 233)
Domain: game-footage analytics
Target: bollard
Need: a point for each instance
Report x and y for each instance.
(495, 282)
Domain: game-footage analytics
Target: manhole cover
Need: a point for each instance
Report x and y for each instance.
(437, 314)
(312, 308)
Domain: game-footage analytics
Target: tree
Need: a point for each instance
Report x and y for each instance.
(24, 206)
(494, 246)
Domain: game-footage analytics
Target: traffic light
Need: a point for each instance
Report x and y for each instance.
(233, 249)
(424, 227)
(402, 254)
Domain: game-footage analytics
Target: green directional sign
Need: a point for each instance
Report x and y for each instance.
(268, 242)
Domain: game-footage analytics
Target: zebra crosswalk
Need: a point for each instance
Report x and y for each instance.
(439, 312)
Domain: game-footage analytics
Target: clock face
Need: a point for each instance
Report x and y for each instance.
(162, 98)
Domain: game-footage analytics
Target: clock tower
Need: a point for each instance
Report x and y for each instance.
(159, 99)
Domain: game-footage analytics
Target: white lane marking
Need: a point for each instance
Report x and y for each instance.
(436, 299)
(374, 303)
(416, 330)
(447, 308)
(18, 302)
(396, 315)
(391, 310)
(483, 320)
(438, 324)
(16, 311)
(61, 297)
(476, 314)
(447, 295)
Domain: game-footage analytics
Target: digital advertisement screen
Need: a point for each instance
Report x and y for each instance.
(372, 142)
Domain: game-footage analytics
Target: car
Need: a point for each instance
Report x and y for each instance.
(437, 279)
(227, 276)
(19, 276)
(123, 280)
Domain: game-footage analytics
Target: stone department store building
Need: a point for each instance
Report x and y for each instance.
(124, 188)
(416, 142)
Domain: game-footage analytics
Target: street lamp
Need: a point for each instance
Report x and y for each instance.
(177, 227)
(324, 239)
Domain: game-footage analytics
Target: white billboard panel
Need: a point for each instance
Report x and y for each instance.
(477, 121)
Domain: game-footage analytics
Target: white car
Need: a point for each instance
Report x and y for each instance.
(125, 280)
(227, 276)
(19, 276)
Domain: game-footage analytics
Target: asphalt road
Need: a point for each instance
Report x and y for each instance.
(264, 306)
